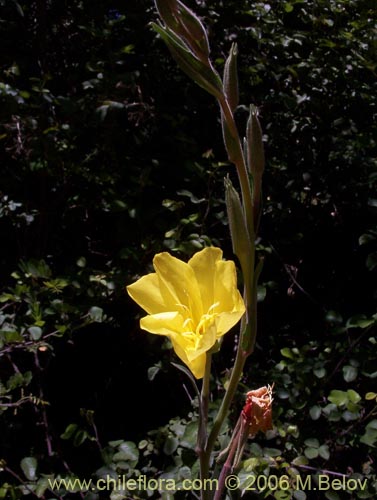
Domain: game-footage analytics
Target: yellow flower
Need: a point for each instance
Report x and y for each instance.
(194, 303)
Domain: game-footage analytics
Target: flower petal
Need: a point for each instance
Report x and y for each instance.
(225, 321)
(178, 284)
(146, 292)
(204, 265)
(206, 342)
(197, 365)
(166, 323)
(226, 293)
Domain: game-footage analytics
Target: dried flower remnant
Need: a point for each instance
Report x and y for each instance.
(257, 412)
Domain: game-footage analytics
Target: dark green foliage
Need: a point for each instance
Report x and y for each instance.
(110, 154)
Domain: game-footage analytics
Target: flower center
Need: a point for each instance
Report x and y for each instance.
(194, 333)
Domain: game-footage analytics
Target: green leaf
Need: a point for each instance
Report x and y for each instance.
(366, 238)
(271, 452)
(69, 431)
(301, 460)
(29, 468)
(339, 398)
(334, 317)
(43, 484)
(153, 371)
(324, 451)
(96, 314)
(349, 373)
(80, 437)
(312, 442)
(287, 353)
(282, 495)
(35, 332)
(370, 436)
(370, 395)
(128, 452)
(353, 396)
(315, 412)
(332, 495)
(81, 262)
(319, 372)
(35, 268)
(311, 453)
(299, 495)
(170, 445)
(371, 261)
(261, 293)
(359, 321)
(288, 7)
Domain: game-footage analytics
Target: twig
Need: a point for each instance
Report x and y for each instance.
(50, 452)
(323, 471)
(293, 278)
(25, 485)
(345, 355)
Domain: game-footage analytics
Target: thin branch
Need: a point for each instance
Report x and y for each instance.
(24, 484)
(293, 278)
(322, 471)
(43, 410)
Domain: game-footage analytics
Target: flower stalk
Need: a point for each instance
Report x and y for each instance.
(195, 326)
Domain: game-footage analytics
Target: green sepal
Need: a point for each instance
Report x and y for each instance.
(242, 245)
(197, 34)
(203, 75)
(186, 24)
(230, 78)
(231, 143)
(166, 10)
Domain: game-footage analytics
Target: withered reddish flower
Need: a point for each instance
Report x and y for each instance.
(257, 412)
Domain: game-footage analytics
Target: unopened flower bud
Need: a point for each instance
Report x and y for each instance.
(255, 150)
(237, 224)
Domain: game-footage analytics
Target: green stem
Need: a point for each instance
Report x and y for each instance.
(203, 420)
(247, 201)
(247, 336)
(240, 164)
(226, 469)
(225, 404)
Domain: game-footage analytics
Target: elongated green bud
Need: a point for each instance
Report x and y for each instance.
(231, 144)
(255, 160)
(196, 33)
(242, 246)
(255, 150)
(230, 78)
(167, 11)
(185, 24)
(198, 71)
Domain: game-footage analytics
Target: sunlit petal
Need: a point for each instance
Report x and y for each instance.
(166, 323)
(204, 265)
(226, 321)
(226, 293)
(197, 365)
(193, 304)
(178, 283)
(147, 293)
